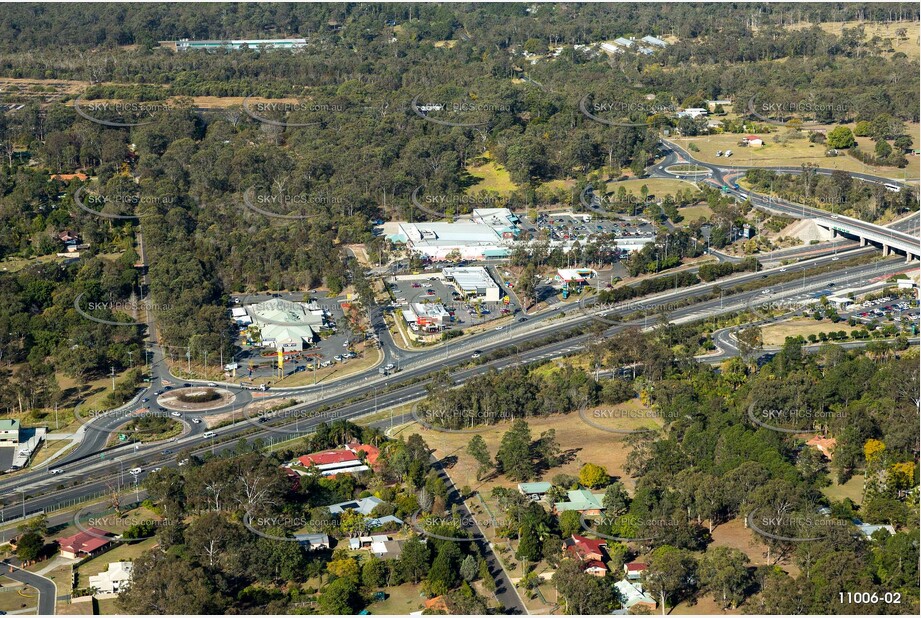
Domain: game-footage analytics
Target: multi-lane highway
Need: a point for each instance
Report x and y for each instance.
(891, 237)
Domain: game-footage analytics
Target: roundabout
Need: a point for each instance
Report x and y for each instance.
(196, 399)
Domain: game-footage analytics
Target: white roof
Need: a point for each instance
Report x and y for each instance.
(430, 310)
(633, 593)
(470, 277)
(117, 573)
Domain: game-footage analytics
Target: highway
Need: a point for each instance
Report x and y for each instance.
(893, 236)
(36, 490)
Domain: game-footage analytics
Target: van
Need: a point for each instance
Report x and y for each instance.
(208, 434)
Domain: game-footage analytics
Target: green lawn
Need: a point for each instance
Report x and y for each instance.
(401, 600)
(492, 177)
(121, 552)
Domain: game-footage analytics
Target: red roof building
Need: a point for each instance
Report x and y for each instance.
(633, 570)
(595, 567)
(69, 177)
(323, 458)
(826, 446)
(585, 548)
(90, 542)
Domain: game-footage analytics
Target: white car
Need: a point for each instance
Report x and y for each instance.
(176, 414)
(55, 471)
(208, 434)
(500, 327)
(475, 355)
(135, 471)
(183, 462)
(197, 421)
(212, 383)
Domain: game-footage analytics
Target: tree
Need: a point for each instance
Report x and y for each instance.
(670, 574)
(882, 149)
(29, 546)
(570, 523)
(444, 575)
(840, 137)
(339, 598)
(527, 285)
(469, 568)
(582, 594)
(414, 561)
(616, 499)
(723, 573)
(592, 475)
(480, 452)
(163, 583)
(374, 573)
(528, 543)
(514, 455)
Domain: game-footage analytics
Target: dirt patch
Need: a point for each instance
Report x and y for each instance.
(734, 534)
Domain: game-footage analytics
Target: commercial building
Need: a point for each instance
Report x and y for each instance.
(212, 45)
(474, 282)
(656, 42)
(430, 317)
(502, 220)
(576, 276)
(9, 432)
(437, 241)
(287, 325)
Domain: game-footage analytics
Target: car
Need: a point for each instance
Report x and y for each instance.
(145, 399)
(55, 471)
(417, 285)
(135, 471)
(476, 354)
(523, 319)
(500, 327)
(166, 451)
(155, 469)
(390, 366)
(177, 414)
(261, 419)
(338, 358)
(183, 462)
(197, 421)
(208, 434)
(834, 216)
(158, 393)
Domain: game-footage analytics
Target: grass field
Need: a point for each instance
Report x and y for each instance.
(491, 177)
(853, 489)
(401, 600)
(658, 187)
(792, 154)
(693, 213)
(907, 45)
(594, 445)
(776, 334)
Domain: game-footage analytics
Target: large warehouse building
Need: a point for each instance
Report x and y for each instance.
(287, 325)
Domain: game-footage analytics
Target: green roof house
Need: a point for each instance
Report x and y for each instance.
(581, 500)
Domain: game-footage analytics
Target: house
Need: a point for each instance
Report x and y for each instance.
(826, 446)
(752, 140)
(313, 542)
(115, 579)
(9, 432)
(383, 521)
(534, 491)
(656, 42)
(692, 112)
(68, 177)
(387, 550)
(867, 530)
(90, 542)
(585, 548)
(341, 461)
(595, 567)
(364, 506)
(583, 501)
(633, 570)
(632, 593)
(69, 238)
(624, 42)
(366, 542)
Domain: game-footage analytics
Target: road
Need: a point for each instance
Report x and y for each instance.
(92, 476)
(716, 175)
(47, 590)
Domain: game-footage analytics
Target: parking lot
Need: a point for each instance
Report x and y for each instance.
(886, 309)
(465, 313)
(569, 227)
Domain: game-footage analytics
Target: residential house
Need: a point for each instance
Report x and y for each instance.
(366, 542)
(115, 579)
(90, 542)
(585, 548)
(68, 177)
(365, 506)
(753, 140)
(633, 594)
(826, 446)
(867, 530)
(633, 570)
(387, 550)
(581, 500)
(534, 491)
(595, 567)
(313, 542)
